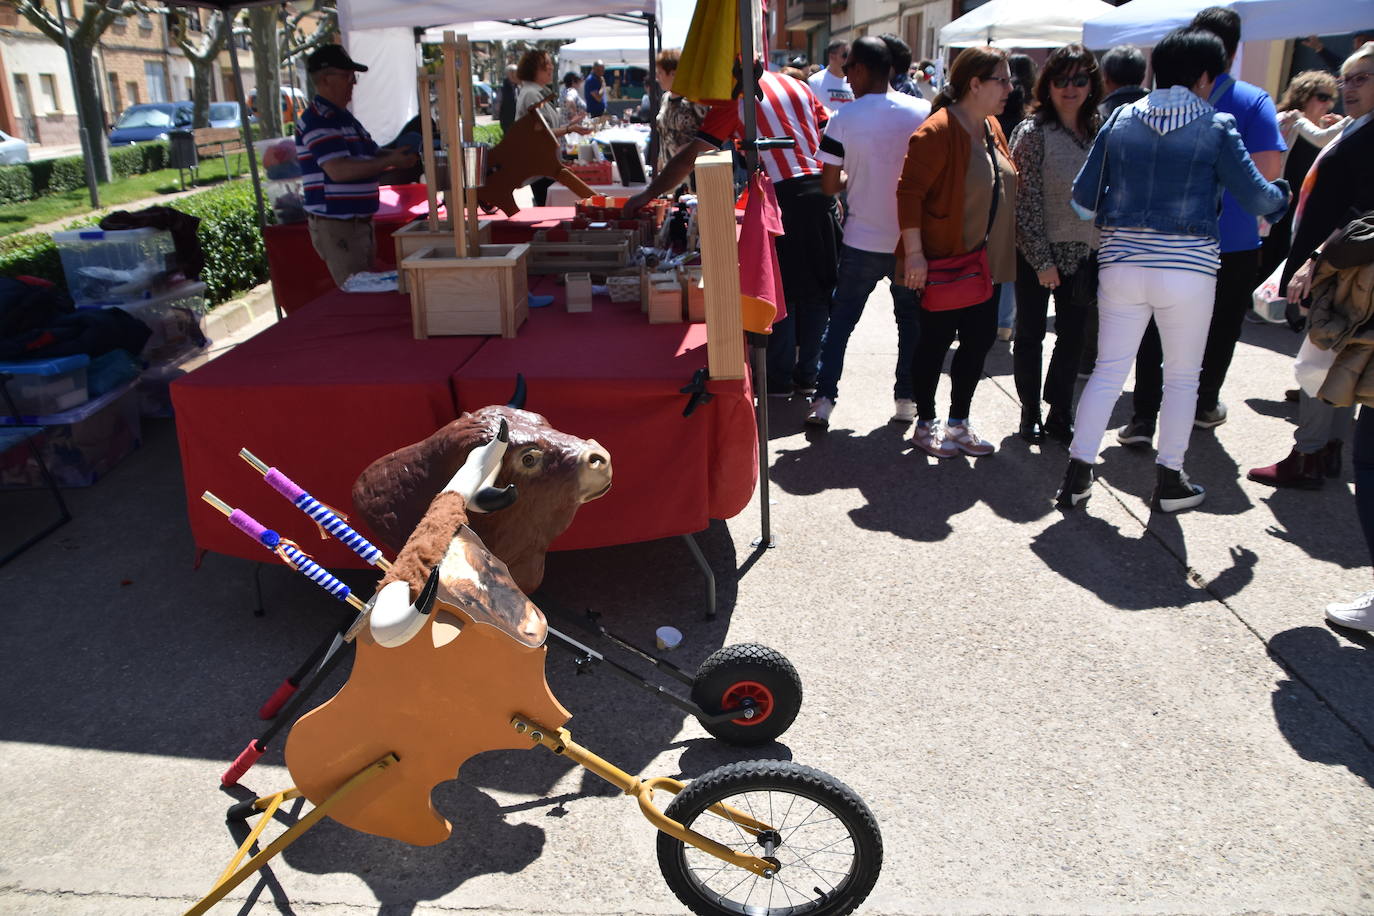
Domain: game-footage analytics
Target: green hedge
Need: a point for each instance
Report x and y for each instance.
(486, 133)
(234, 257)
(16, 184)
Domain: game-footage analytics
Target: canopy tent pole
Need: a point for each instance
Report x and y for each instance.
(655, 91)
(246, 129)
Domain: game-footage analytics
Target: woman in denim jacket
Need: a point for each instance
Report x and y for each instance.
(1153, 180)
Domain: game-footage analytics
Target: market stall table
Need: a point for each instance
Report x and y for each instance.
(341, 382)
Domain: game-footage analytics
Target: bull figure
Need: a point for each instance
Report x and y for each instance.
(553, 472)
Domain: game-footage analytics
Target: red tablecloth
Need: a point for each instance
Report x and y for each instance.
(320, 395)
(609, 375)
(299, 276)
(340, 383)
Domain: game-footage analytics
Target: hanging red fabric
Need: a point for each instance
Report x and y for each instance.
(760, 278)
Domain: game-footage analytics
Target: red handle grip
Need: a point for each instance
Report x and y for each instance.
(242, 763)
(277, 700)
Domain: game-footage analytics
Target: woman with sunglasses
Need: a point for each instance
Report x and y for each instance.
(956, 195)
(1307, 125)
(1153, 181)
(1054, 246)
(1338, 187)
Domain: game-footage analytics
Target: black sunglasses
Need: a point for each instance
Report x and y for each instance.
(1062, 82)
(1322, 96)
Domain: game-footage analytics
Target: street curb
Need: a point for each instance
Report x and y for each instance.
(228, 318)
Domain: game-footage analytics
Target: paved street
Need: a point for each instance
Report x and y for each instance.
(1103, 712)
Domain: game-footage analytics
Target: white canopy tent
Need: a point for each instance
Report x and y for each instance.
(380, 34)
(1144, 22)
(1023, 23)
(615, 52)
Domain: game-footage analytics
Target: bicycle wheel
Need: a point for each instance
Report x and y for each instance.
(824, 841)
(755, 675)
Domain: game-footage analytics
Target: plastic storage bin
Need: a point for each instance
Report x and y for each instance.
(46, 386)
(80, 445)
(112, 267)
(174, 317)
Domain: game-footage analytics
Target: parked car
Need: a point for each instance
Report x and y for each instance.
(226, 114)
(149, 121)
(486, 99)
(12, 149)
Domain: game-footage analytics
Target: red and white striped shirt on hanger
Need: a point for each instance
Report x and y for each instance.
(788, 108)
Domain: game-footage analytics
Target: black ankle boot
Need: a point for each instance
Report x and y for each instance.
(1059, 425)
(1077, 486)
(1331, 458)
(1174, 491)
(1031, 429)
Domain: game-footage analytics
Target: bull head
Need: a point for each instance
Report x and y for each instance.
(554, 473)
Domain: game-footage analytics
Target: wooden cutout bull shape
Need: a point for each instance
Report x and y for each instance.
(528, 150)
(553, 471)
(432, 684)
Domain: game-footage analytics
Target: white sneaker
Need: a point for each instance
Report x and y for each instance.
(966, 439)
(820, 412)
(904, 410)
(931, 440)
(1356, 614)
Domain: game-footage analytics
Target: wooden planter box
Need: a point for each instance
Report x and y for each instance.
(417, 235)
(452, 296)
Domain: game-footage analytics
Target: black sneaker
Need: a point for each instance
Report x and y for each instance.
(1138, 433)
(1209, 418)
(1174, 491)
(1077, 486)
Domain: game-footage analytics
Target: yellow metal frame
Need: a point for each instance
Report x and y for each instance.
(642, 790)
(234, 875)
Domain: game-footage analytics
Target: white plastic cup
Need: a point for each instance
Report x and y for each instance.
(668, 638)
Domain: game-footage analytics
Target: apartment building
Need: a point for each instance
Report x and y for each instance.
(805, 27)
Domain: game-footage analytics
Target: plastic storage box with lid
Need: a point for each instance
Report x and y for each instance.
(80, 445)
(283, 188)
(115, 266)
(45, 386)
(174, 316)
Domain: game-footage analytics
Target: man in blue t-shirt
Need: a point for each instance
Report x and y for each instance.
(340, 165)
(595, 90)
(1257, 122)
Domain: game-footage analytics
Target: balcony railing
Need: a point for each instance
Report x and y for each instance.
(807, 14)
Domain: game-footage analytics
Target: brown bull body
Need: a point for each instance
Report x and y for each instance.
(553, 472)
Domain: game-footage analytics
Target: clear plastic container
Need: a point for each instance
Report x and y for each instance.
(80, 445)
(278, 158)
(115, 266)
(46, 386)
(174, 318)
(286, 198)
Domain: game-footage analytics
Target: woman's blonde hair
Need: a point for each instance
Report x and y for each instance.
(1305, 85)
(971, 64)
(668, 58)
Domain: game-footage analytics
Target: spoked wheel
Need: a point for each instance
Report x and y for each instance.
(823, 838)
(754, 676)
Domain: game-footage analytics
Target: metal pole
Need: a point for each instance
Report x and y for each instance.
(758, 342)
(245, 128)
(655, 91)
(87, 152)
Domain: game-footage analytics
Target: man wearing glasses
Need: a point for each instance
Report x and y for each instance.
(340, 164)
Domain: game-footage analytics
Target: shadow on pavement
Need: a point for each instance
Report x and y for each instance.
(1336, 725)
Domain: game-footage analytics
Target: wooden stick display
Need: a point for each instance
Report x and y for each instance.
(454, 144)
(715, 174)
(469, 116)
(427, 137)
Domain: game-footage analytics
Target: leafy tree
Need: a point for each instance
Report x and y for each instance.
(202, 51)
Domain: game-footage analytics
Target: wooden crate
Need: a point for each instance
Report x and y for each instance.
(598, 256)
(450, 295)
(416, 235)
(665, 299)
(578, 292)
(695, 290)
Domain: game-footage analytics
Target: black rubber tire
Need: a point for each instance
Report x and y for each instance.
(743, 663)
(829, 824)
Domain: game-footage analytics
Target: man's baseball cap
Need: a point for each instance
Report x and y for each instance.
(332, 56)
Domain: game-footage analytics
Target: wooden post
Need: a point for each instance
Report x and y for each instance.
(427, 133)
(465, 96)
(453, 142)
(715, 174)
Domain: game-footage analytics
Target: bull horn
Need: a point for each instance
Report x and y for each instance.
(394, 620)
(476, 479)
(517, 400)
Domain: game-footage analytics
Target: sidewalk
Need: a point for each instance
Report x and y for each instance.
(1107, 711)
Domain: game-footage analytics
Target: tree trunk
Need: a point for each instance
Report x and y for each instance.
(262, 23)
(92, 117)
(202, 78)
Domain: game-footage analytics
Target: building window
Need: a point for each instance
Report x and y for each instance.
(132, 87)
(190, 88)
(47, 85)
(113, 100)
(155, 75)
(145, 23)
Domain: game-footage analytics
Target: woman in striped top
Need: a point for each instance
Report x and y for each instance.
(1153, 180)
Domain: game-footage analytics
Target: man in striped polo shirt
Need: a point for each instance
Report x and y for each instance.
(809, 249)
(339, 166)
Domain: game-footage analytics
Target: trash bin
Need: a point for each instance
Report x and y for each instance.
(182, 152)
